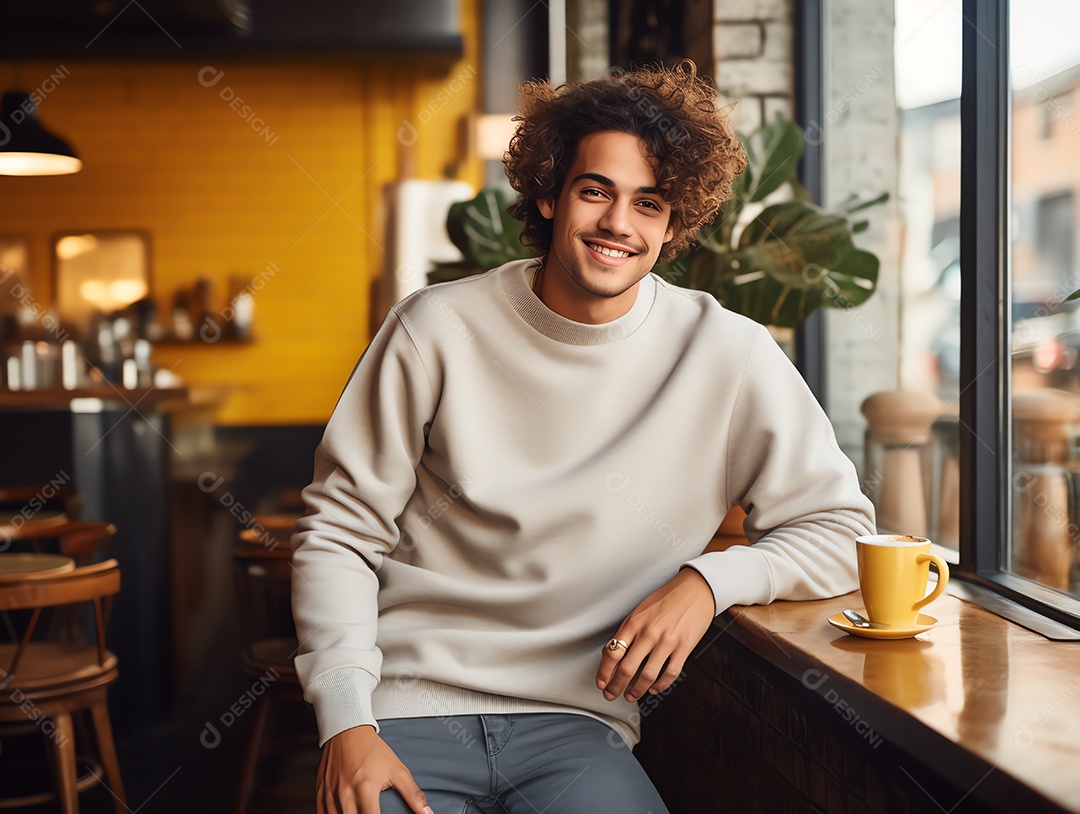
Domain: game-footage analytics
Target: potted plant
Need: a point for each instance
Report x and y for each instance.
(778, 261)
(484, 233)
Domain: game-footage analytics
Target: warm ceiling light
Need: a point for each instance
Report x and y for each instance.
(27, 148)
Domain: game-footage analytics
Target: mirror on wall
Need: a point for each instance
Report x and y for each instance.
(14, 266)
(16, 300)
(99, 272)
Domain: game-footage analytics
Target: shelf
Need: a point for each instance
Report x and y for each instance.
(191, 342)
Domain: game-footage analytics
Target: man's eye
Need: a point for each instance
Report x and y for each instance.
(651, 205)
(591, 192)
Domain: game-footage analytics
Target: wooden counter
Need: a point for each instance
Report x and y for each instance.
(976, 714)
(157, 398)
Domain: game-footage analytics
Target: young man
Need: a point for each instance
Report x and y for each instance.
(502, 551)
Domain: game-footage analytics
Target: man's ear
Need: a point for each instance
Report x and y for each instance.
(546, 207)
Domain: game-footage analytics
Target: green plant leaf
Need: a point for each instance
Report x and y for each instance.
(798, 191)
(756, 294)
(855, 278)
(793, 257)
(786, 239)
(780, 220)
(861, 205)
(773, 154)
(483, 230)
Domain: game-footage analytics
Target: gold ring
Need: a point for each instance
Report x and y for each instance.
(615, 644)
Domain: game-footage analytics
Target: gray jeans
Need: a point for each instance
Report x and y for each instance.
(533, 763)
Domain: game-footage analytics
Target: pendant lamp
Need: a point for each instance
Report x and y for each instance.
(27, 148)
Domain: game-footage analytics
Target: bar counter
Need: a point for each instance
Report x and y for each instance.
(782, 712)
(55, 398)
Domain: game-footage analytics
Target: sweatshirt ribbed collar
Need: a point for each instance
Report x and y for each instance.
(518, 278)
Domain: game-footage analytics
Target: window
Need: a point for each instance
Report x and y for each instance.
(979, 256)
(1043, 385)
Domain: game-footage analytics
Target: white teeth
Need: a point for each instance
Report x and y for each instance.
(609, 252)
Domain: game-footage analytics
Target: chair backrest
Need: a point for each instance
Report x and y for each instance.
(59, 496)
(272, 531)
(49, 589)
(97, 584)
(263, 590)
(63, 497)
(82, 539)
(78, 539)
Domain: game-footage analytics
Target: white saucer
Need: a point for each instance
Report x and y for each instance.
(922, 624)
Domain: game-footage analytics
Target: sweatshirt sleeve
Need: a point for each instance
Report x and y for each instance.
(365, 469)
(801, 493)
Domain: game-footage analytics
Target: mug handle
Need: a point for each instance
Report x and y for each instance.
(942, 580)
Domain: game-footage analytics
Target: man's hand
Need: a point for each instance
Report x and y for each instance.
(356, 766)
(664, 627)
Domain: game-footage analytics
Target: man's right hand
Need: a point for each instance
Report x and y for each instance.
(356, 766)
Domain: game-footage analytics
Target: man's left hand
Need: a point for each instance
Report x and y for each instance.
(660, 633)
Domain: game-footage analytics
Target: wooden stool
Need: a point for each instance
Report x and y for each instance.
(900, 459)
(47, 681)
(1045, 425)
(263, 567)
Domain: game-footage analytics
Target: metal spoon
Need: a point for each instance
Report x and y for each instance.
(859, 620)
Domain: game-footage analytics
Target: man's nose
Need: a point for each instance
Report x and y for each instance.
(616, 219)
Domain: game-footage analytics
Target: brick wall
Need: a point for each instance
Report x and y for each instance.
(753, 61)
(860, 134)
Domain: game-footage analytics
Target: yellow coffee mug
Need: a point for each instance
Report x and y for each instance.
(893, 572)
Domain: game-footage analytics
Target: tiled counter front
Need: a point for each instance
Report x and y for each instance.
(778, 712)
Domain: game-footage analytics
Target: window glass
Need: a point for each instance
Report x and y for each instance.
(927, 53)
(1043, 272)
(893, 366)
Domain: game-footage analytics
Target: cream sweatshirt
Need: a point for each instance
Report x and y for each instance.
(499, 486)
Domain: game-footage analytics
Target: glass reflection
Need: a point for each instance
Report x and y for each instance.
(1044, 270)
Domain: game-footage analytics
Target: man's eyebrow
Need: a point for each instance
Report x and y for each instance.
(607, 182)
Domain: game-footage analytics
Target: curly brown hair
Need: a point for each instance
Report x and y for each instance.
(673, 111)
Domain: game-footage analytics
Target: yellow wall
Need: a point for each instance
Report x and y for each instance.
(165, 153)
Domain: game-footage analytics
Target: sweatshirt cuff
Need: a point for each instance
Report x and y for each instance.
(737, 576)
(342, 700)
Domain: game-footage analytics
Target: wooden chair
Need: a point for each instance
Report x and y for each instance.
(64, 498)
(263, 568)
(47, 681)
(82, 540)
(271, 530)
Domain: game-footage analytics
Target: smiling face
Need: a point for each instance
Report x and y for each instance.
(609, 224)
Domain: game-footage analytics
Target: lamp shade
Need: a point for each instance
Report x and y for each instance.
(27, 148)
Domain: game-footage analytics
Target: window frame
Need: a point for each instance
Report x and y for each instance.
(809, 58)
(985, 316)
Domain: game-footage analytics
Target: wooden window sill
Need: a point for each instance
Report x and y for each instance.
(974, 694)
